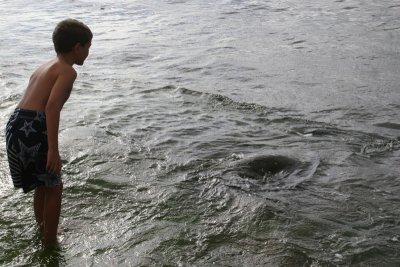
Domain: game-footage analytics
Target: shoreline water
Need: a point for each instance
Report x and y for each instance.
(238, 133)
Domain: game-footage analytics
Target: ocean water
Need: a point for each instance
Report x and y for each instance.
(216, 133)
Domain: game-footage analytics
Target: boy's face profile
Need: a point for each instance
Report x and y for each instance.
(82, 52)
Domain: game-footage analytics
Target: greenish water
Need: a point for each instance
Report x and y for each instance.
(237, 133)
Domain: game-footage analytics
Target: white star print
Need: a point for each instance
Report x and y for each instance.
(27, 154)
(27, 128)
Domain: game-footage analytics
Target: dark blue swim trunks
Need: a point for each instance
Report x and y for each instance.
(26, 140)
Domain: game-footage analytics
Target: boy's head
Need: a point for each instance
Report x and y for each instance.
(68, 33)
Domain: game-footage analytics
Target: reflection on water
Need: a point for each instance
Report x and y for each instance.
(237, 133)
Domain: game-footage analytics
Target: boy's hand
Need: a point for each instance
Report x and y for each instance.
(53, 165)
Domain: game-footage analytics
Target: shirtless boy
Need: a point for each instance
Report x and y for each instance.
(32, 130)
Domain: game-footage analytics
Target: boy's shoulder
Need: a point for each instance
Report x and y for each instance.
(53, 70)
(58, 67)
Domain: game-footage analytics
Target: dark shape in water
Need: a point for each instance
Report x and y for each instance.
(388, 125)
(264, 166)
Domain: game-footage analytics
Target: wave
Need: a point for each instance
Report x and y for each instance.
(217, 101)
(380, 146)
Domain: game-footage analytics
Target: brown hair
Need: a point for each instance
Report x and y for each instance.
(68, 33)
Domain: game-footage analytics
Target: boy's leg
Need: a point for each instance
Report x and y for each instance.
(38, 206)
(51, 212)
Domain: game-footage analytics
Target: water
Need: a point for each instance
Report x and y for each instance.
(216, 133)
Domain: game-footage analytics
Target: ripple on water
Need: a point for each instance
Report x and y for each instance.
(268, 173)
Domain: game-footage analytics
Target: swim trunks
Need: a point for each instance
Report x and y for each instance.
(26, 140)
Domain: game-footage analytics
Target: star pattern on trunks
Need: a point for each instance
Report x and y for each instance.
(39, 116)
(27, 128)
(27, 154)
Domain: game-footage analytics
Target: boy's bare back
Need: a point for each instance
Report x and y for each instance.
(53, 78)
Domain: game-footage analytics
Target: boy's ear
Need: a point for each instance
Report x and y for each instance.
(76, 46)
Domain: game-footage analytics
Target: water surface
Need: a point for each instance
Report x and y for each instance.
(216, 133)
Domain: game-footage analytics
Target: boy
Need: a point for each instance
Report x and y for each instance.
(32, 130)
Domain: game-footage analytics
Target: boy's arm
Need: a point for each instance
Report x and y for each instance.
(58, 96)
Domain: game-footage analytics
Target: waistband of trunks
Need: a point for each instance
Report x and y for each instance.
(28, 112)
